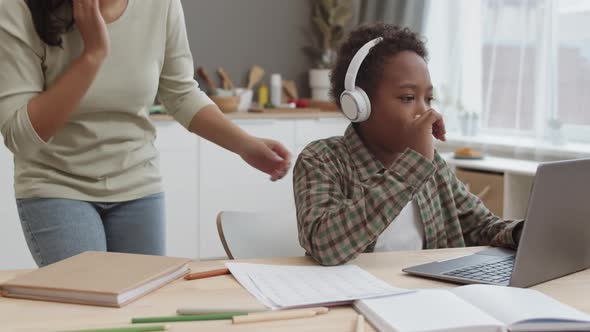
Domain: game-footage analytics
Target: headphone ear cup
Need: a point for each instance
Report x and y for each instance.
(356, 105)
(349, 105)
(364, 103)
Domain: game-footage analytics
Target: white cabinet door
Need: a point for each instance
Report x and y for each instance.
(309, 130)
(179, 168)
(228, 183)
(14, 253)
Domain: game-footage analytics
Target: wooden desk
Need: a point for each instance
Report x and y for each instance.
(23, 315)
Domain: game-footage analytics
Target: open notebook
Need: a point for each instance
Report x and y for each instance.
(476, 308)
(97, 278)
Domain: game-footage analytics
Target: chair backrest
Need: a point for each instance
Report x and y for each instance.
(258, 234)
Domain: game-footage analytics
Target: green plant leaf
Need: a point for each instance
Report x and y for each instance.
(325, 30)
(327, 6)
(342, 16)
(330, 19)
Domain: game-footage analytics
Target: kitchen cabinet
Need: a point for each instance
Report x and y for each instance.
(14, 253)
(179, 168)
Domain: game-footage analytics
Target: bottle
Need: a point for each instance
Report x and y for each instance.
(276, 90)
(263, 95)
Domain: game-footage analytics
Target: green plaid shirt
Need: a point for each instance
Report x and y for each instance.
(345, 199)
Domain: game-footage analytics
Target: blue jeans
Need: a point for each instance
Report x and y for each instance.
(57, 228)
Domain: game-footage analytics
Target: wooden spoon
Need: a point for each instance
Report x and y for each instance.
(227, 82)
(290, 89)
(203, 74)
(256, 74)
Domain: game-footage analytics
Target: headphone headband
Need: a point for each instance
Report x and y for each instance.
(355, 63)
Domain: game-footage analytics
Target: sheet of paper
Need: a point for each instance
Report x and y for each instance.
(282, 286)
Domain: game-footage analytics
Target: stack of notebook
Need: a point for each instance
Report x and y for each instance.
(97, 278)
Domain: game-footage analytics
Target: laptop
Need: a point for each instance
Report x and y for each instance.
(555, 240)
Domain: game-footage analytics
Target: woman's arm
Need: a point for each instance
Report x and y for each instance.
(266, 155)
(189, 105)
(31, 112)
(49, 111)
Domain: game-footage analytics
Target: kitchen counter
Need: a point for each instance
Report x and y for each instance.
(249, 115)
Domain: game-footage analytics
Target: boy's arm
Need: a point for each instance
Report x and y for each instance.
(480, 226)
(334, 228)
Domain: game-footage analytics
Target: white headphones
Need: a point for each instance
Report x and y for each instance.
(355, 102)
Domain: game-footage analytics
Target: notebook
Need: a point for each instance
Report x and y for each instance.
(477, 308)
(97, 278)
(286, 286)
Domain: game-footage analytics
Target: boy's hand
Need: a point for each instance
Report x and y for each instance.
(421, 130)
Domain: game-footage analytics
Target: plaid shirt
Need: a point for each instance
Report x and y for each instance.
(345, 199)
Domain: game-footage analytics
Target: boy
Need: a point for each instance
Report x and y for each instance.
(382, 186)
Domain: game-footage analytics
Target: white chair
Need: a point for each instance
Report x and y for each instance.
(247, 235)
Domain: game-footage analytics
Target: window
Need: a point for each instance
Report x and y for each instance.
(522, 65)
(574, 68)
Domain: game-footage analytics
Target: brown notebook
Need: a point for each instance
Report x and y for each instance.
(97, 278)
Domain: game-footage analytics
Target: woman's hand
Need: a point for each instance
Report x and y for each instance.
(266, 155)
(93, 28)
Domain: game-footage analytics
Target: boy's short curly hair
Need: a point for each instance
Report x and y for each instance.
(395, 40)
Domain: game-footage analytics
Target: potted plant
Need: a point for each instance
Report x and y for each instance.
(330, 19)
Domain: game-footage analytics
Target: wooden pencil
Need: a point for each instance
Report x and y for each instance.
(280, 315)
(207, 274)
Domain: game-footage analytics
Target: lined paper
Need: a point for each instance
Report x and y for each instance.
(284, 286)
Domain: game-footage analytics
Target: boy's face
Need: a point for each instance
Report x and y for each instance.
(404, 91)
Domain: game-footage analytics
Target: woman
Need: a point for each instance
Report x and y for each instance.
(75, 79)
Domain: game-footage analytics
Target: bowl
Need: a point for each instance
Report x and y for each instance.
(227, 104)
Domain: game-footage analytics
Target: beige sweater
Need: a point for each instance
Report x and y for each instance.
(105, 152)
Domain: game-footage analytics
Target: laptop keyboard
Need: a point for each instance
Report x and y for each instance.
(496, 272)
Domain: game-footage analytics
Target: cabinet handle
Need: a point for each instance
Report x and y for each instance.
(484, 192)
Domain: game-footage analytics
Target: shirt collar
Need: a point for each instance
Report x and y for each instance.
(365, 163)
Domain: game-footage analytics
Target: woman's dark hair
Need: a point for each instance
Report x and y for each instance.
(52, 18)
(395, 40)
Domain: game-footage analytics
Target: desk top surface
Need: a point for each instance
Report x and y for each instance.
(25, 315)
(495, 164)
